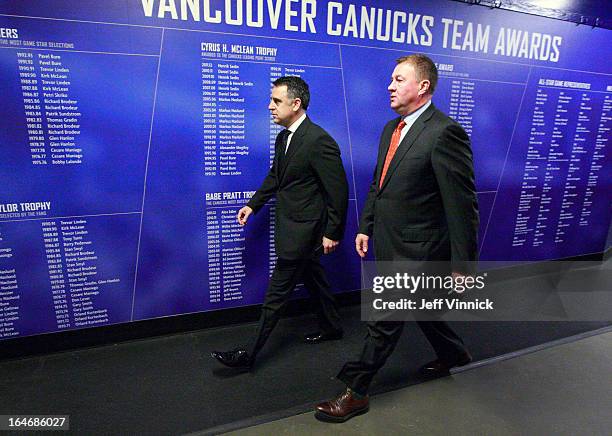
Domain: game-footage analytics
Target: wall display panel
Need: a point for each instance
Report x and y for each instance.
(558, 162)
(133, 131)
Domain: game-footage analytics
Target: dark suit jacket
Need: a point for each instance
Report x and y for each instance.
(426, 208)
(311, 192)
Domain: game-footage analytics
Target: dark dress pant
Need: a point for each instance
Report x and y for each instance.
(286, 275)
(382, 337)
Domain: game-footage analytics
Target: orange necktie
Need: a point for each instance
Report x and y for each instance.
(395, 140)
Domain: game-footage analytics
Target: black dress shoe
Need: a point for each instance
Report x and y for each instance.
(238, 358)
(342, 408)
(315, 338)
(439, 368)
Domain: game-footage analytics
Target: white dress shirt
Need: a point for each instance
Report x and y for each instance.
(411, 118)
(292, 128)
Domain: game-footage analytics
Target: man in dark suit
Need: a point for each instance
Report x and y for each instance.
(421, 206)
(308, 179)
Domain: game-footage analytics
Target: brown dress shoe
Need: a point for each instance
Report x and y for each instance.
(342, 408)
(439, 368)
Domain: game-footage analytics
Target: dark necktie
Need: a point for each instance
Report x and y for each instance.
(395, 140)
(284, 136)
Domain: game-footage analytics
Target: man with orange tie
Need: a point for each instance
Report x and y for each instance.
(421, 206)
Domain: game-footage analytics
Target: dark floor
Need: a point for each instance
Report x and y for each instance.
(562, 390)
(170, 385)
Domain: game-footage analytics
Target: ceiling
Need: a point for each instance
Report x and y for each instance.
(595, 13)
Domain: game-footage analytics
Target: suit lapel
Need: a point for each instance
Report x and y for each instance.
(406, 144)
(278, 155)
(297, 140)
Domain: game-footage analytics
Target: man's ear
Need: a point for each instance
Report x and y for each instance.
(424, 87)
(297, 104)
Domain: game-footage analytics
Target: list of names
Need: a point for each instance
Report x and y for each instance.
(52, 113)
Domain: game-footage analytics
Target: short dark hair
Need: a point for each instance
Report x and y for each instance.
(296, 88)
(424, 68)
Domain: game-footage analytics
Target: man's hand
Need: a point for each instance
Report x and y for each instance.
(361, 244)
(243, 215)
(329, 245)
